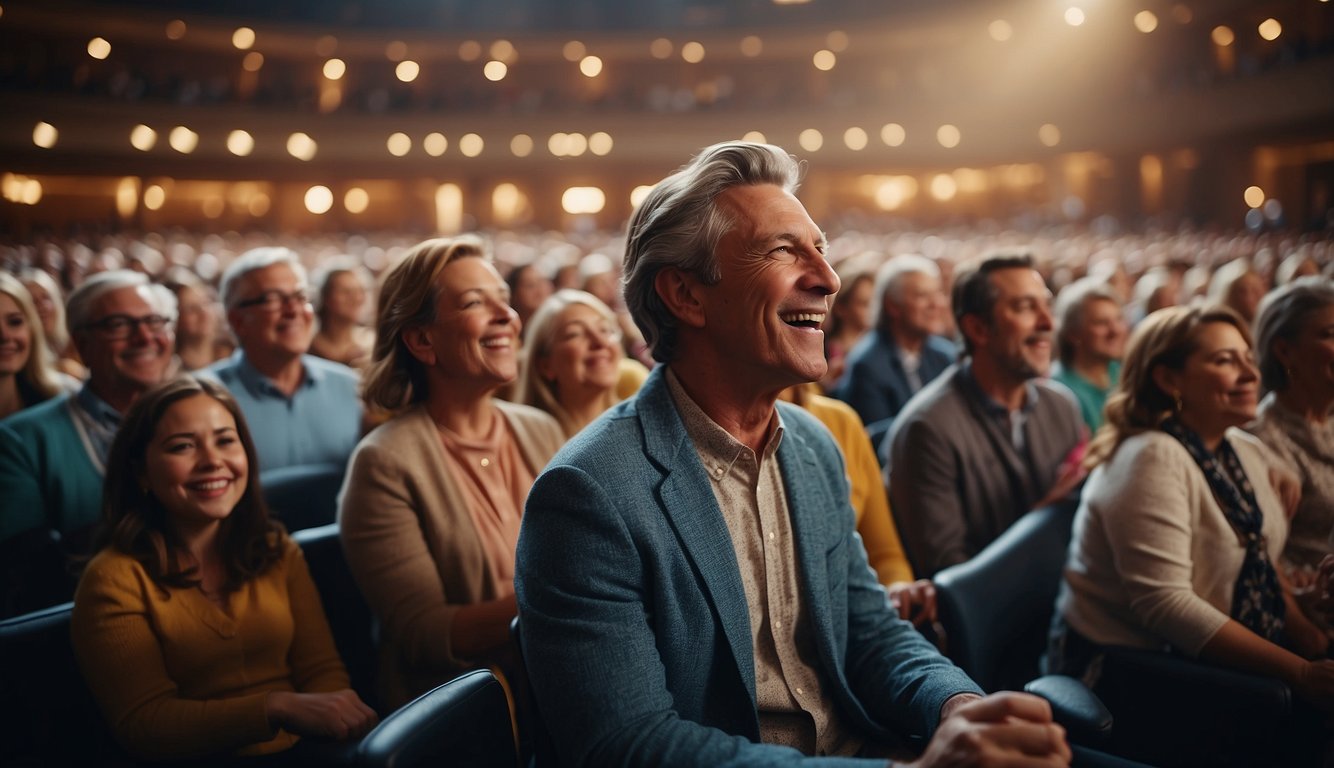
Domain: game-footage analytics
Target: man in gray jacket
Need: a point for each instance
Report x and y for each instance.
(991, 438)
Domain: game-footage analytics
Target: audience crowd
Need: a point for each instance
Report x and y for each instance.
(975, 374)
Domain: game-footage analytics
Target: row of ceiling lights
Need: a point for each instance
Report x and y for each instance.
(301, 146)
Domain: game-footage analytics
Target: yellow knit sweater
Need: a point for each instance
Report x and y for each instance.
(178, 677)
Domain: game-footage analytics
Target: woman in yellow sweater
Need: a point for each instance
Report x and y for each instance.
(197, 625)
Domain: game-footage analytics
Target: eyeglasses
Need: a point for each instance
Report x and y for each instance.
(124, 326)
(275, 301)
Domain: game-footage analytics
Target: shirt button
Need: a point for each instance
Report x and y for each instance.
(486, 462)
(799, 691)
(771, 535)
(778, 625)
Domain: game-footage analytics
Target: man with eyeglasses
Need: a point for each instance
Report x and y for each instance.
(301, 410)
(53, 455)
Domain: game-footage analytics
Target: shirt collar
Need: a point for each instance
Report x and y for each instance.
(711, 440)
(991, 407)
(97, 408)
(255, 381)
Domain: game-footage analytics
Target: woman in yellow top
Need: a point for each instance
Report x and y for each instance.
(197, 625)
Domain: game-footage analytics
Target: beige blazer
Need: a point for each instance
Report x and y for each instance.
(411, 544)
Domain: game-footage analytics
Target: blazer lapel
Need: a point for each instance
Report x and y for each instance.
(685, 494)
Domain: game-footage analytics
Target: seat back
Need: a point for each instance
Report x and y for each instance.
(350, 617)
(304, 496)
(996, 608)
(47, 714)
(465, 722)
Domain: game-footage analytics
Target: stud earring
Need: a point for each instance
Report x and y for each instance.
(1176, 397)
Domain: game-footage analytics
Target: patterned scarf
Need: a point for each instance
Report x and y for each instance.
(1257, 599)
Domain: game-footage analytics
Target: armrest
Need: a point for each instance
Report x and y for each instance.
(1265, 698)
(1075, 707)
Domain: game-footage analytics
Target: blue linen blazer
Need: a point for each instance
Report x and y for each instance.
(874, 383)
(635, 628)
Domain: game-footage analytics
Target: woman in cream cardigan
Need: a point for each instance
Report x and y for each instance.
(430, 510)
(1179, 531)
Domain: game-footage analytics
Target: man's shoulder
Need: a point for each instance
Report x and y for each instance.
(613, 438)
(46, 417)
(940, 399)
(1057, 401)
(868, 348)
(940, 346)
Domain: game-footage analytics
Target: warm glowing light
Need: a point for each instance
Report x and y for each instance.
(944, 187)
(1270, 29)
(258, 204)
(399, 144)
(506, 202)
(1049, 135)
(243, 38)
(1074, 17)
(356, 200)
(855, 138)
(638, 194)
(1000, 30)
(213, 206)
(811, 140)
(894, 192)
(1254, 197)
(970, 180)
(448, 208)
(175, 29)
(600, 143)
(751, 46)
(503, 50)
(559, 144)
(31, 194)
(154, 197)
(253, 61)
(693, 52)
(660, 48)
(471, 145)
(334, 69)
(240, 143)
(142, 137)
(301, 146)
(1146, 22)
(575, 144)
(183, 139)
(127, 196)
(573, 50)
(44, 135)
(824, 60)
(396, 50)
(837, 41)
(1222, 36)
(893, 135)
(521, 145)
(99, 48)
(470, 50)
(435, 144)
(319, 199)
(577, 200)
(755, 136)
(325, 46)
(590, 66)
(407, 70)
(948, 136)
(495, 71)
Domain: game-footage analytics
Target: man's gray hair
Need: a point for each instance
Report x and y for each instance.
(79, 307)
(889, 282)
(250, 261)
(679, 225)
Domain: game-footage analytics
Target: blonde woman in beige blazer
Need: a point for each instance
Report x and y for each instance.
(430, 510)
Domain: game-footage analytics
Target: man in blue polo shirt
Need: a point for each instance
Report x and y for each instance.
(301, 409)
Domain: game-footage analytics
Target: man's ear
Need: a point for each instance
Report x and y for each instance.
(419, 343)
(1282, 351)
(680, 292)
(975, 329)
